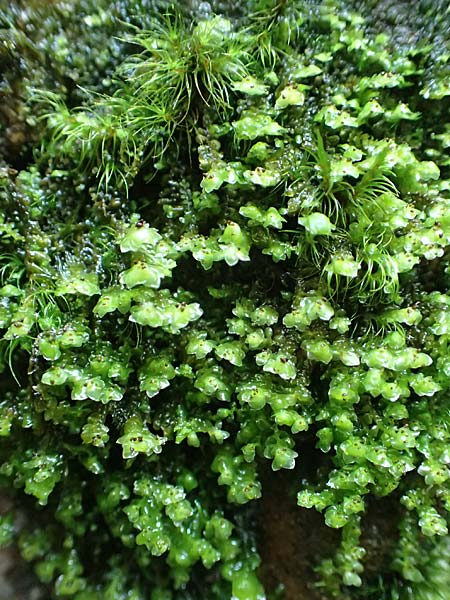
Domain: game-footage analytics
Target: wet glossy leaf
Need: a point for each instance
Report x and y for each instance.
(138, 439)
(139, 237)
(280, 364)
(253, 125)
(291, 95)
(317, 224)
(250, 86)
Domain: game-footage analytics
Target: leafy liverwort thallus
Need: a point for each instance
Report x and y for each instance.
(225, 298)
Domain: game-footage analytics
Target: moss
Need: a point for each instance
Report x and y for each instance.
(215, 241)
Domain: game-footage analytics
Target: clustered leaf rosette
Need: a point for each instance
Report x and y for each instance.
(219, 270)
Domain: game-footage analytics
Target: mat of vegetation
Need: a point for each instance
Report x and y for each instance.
(224, 298)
